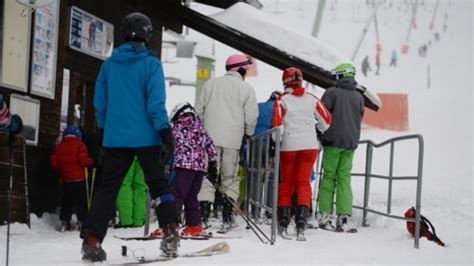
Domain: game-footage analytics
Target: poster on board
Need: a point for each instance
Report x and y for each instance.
(29, 111)
(45, 39)
(15, 46)
(90, 34)
(64, 100)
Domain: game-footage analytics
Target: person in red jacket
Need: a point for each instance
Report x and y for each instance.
(69, 159)
(296, 113)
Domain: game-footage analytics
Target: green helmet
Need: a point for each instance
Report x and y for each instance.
(346, 70)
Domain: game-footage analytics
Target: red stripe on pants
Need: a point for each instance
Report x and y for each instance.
(296, 167)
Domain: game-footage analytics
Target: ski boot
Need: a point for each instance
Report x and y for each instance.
(170, 243)
(342, 224)
(205, 207)
(193, 230)
(283, 215)
(65, 226)
(92, 249)
(325, 221)
(300, 220)
(78, 226)
(227, 215)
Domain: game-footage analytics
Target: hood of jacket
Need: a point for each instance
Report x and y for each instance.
(131, 51)
(347, 83)
(234, 74)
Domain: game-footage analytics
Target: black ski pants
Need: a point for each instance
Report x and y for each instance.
(117, 161)
(73, 198)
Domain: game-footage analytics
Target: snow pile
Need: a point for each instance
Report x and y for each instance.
(257, 24)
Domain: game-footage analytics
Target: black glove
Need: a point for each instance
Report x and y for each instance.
(166, 146)
(100, 137)
(271, 152)
(320, 135)
(212, 172)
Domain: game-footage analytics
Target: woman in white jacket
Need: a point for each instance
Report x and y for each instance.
(296, 113)
(228, 107)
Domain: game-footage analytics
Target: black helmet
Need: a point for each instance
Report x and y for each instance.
(275, 95)
(136, 27)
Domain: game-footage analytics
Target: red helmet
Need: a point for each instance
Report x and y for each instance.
(237, 61)
(292, 77)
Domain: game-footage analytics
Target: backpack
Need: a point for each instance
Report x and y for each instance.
(425, 226)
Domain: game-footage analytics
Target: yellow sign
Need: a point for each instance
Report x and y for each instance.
(202, 73)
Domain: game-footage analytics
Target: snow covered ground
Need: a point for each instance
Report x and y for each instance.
(442, 114)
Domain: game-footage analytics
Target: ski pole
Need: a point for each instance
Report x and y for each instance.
(92, 186)
(86, 174)
(320, 173)
(239, 211)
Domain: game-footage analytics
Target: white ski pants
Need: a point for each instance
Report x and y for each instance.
(228, 167)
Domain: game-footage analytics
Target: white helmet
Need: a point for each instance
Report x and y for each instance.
(181, 109)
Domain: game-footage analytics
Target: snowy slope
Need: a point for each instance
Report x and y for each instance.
(442, 114)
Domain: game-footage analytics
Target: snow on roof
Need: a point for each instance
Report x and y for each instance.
(259, 25)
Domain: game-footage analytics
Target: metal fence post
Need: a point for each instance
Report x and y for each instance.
(418, 192)
(390, 180)
(276, 180)
(147, 214)
(368, 172)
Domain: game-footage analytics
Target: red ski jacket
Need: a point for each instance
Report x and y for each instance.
(69, 159)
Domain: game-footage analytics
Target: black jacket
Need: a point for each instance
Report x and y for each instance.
(346, 105)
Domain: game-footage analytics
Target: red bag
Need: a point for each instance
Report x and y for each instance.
(425, 226)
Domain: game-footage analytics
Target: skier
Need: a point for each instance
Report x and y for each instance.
(394, 58)
(131, 198)
(295, 113)
(264, 123)
(69, 158)
(365, 66)
(194, 155)
(377, 63)
(228, 108)
(130, 107)
(340, 141)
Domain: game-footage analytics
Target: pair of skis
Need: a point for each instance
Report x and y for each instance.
(205, 236)
(329, 227)
(215, 249)
(299, 236)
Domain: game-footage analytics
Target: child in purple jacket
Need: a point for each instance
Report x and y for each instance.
(194, 155)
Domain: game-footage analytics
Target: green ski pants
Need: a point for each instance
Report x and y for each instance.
(131, 198)
(337, 165)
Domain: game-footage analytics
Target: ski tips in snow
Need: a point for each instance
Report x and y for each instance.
(216, 249)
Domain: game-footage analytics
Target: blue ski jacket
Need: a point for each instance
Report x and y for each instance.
(130, 98)
(265, 112)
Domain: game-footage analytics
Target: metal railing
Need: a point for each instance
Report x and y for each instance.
(261, 183)
(368, 175)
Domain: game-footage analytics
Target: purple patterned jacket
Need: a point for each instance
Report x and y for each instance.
(193, 146)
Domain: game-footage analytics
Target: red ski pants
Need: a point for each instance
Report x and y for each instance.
(295, 169)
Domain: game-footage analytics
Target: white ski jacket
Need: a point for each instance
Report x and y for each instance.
(228, 107)
(296, 113)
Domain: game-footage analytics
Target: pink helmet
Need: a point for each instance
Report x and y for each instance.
(237, 61)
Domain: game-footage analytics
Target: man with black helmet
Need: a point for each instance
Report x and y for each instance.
(130, 109)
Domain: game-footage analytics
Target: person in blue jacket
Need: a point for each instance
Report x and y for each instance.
(264, 123)
(130, 108)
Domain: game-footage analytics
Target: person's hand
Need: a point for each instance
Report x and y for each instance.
(272, 147)
(212, 172)
(100, 137)
(319, 134)
(166, 146)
